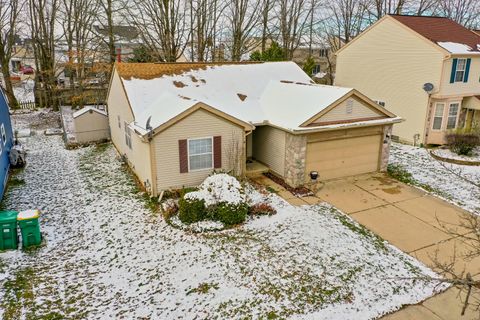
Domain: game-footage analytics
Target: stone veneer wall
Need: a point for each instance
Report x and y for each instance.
(385, 151)
(295, 159)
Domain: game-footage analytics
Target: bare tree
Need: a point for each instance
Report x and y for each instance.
(345, 19)
(426, 7)
(77, 18)
(163, 25)
(293, 17)
(204, 17)
(9, 16)
(43, 15)
(266, 8)
(384, 7)
(465, 12)
(243, 19)
(107, 12)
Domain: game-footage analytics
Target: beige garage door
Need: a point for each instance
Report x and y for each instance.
(344, 157)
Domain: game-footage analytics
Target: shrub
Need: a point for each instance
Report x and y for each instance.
(191, 210)
(463, 143)
(229, 214)
(261, 209)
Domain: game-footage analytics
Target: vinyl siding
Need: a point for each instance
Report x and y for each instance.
(91, 126)
(359, 111)
(391, 63)
(472, 87)
(269, 147)
(199, 124)
(139, 156)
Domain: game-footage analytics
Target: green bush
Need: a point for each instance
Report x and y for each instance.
(230, 214)
(191, 210)
(463, 143)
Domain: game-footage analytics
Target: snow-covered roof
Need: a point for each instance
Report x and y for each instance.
(87, 109)
(459, 48)
(445, 32)
(277, 93)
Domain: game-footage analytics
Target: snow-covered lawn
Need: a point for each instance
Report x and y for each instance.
(448, 154)
(108, 257)
(458, 183)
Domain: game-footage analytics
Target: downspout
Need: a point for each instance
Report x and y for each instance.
(427, 120)
(244, 163)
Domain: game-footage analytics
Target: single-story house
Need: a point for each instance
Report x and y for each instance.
(176, 122)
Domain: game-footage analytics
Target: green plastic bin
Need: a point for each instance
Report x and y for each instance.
(29, 227)
(8, 228)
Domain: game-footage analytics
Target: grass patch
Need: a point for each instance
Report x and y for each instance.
(203, 288)
(151, 203)
(18, 294)
(398, 172)
(15, 182)
(270, 189)
(361, 230)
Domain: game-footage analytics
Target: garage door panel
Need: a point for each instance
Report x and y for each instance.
(343, 157)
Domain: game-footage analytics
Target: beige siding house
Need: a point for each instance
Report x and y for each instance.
(424, 69)
(175, 123)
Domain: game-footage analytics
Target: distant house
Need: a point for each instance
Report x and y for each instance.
(176, 122)
(424, 69)
(6, 141)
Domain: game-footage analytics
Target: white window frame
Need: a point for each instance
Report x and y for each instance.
(188, 154)
(443, 104)
(457, 70)
(4, 134)
(323, 53)
(128, 135)
(316, 69)
(456, 116)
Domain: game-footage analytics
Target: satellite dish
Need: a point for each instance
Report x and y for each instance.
(428, 87)
(148, 126)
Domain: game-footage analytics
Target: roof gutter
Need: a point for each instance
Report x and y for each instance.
(334, 127)
(349, 125)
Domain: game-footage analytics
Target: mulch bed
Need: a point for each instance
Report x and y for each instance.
(298, 192)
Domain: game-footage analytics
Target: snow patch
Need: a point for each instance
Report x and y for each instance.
(458, 48)
(217, 188)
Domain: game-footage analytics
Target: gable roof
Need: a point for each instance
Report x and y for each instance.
(275, 93)
(444, 32)
(86, 109)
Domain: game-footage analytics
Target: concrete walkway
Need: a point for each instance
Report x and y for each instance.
(410, 219)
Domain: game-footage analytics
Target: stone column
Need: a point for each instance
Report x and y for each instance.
(385, 151)
(295, 157)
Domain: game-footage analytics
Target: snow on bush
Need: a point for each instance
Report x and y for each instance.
(219, 188)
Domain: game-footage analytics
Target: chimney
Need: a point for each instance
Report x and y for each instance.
(119, 55)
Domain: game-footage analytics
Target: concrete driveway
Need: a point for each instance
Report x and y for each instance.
(412, 220)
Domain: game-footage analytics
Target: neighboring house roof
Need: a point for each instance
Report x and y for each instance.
(84, 110)
(446, 33)
(275, 93)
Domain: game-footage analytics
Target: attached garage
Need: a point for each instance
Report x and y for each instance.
(344, 153)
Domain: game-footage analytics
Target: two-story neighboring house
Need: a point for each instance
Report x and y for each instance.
(424, 69)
